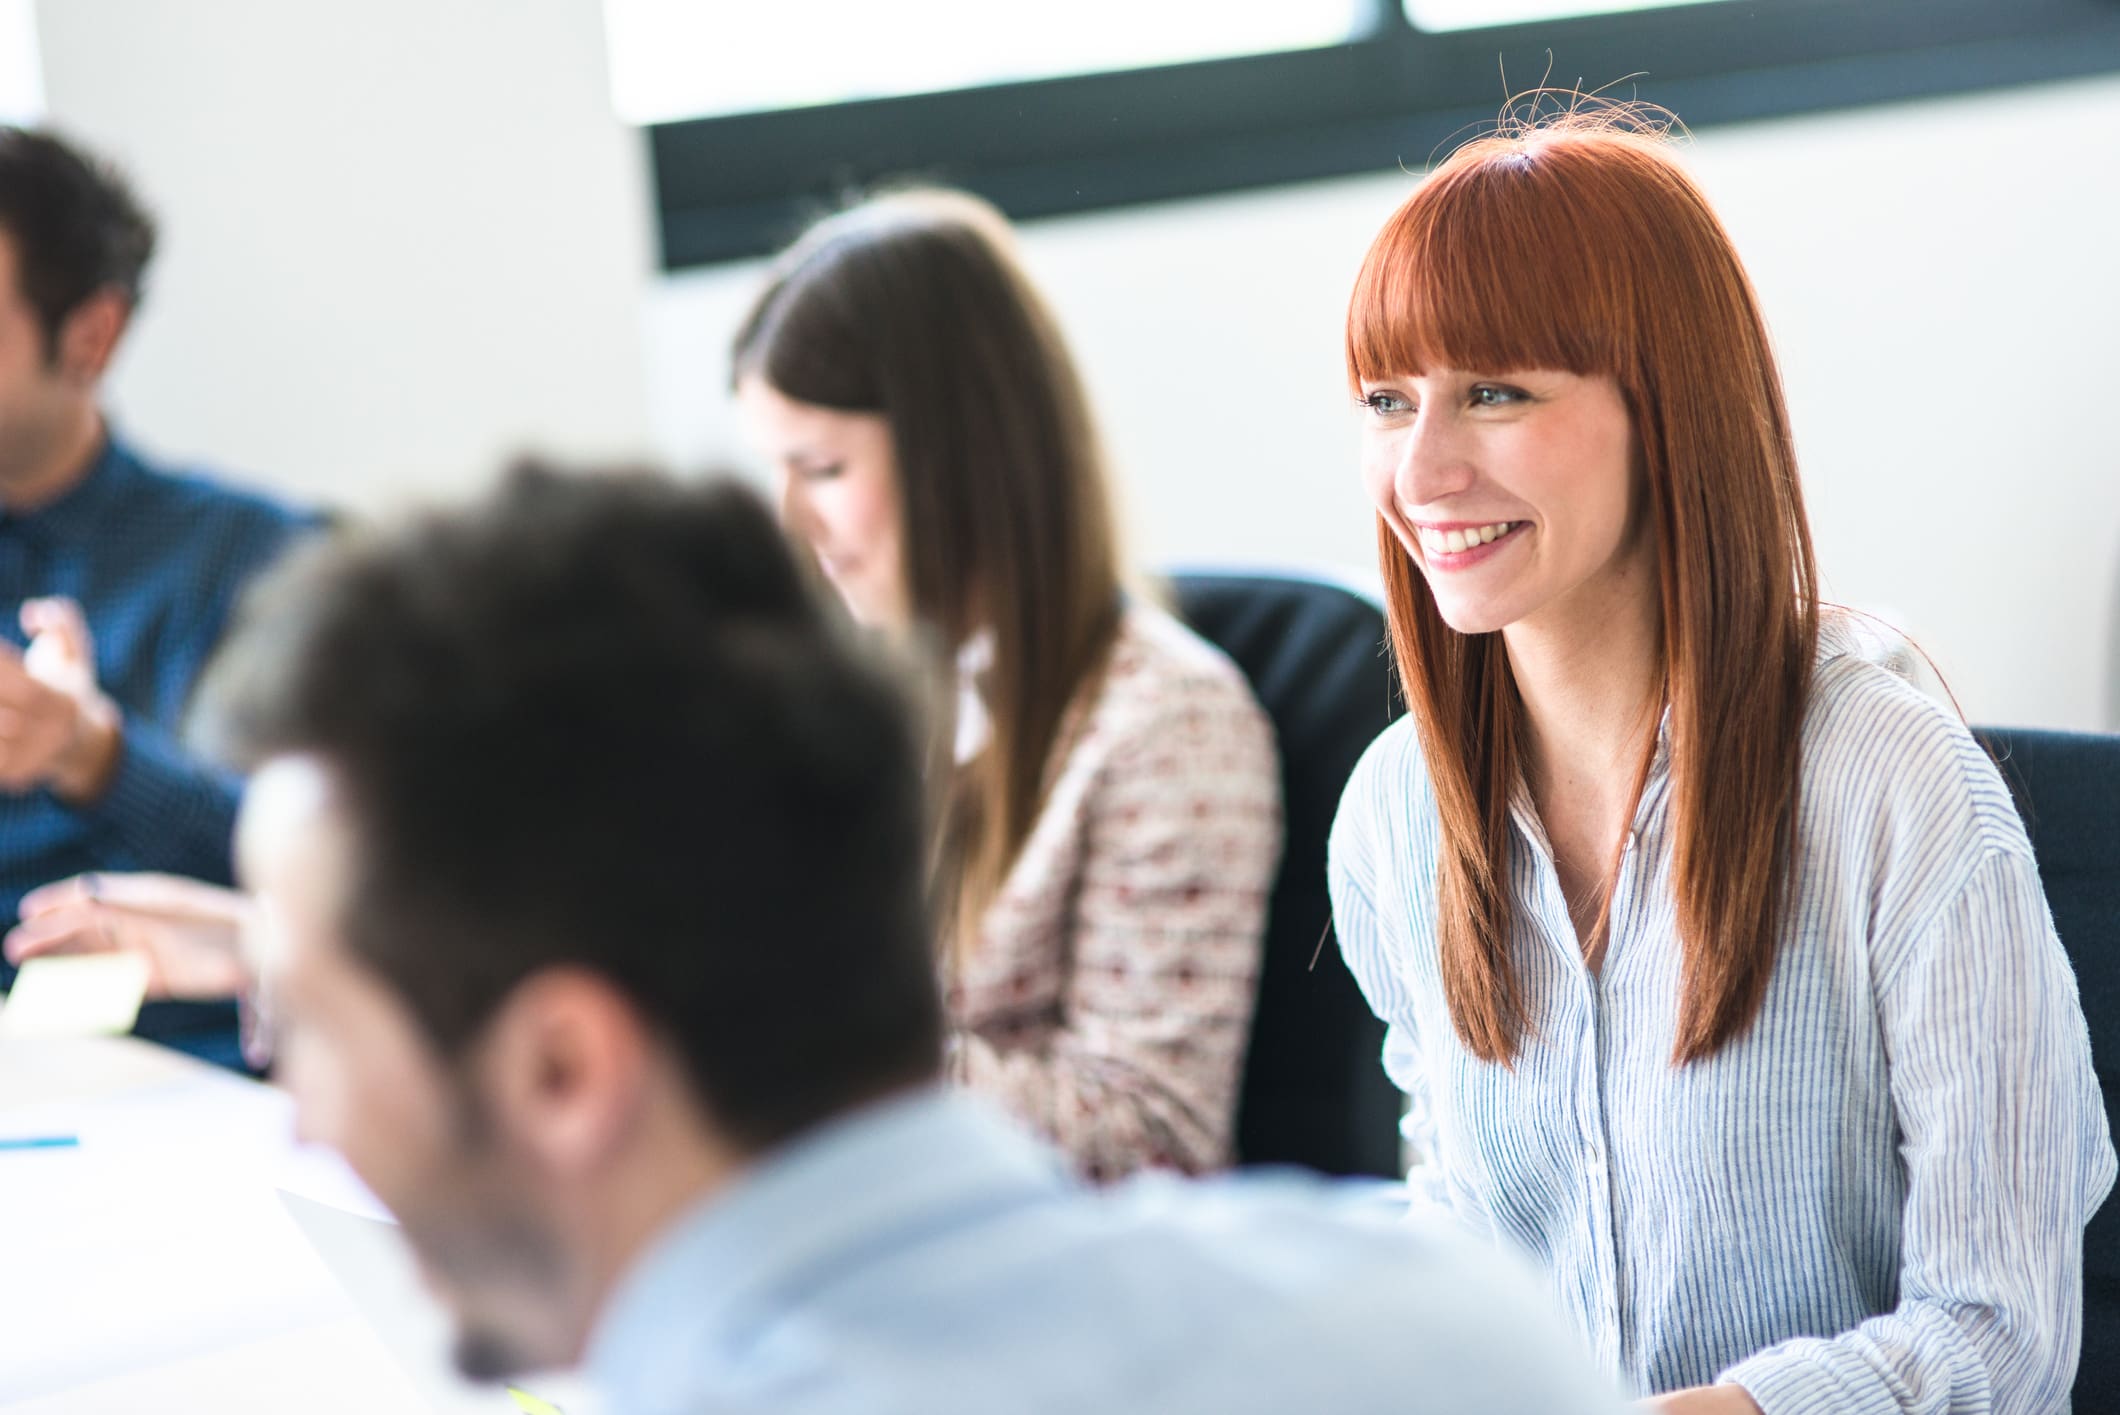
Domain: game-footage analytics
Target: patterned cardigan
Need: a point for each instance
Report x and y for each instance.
(1108, 1000)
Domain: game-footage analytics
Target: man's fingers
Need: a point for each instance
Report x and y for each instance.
(28, 742)
(145, 895)
(60, 894)
(17, 687)
(74, 931)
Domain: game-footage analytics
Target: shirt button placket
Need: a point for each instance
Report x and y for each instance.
(1597, 1173)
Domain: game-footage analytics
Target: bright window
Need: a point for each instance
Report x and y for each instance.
(1438, 15)
(673, 59)
(21, 75)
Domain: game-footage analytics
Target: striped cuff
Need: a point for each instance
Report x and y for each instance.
(1794, 1379)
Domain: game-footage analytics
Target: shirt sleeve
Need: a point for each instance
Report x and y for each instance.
(1184, 837)
(1368, 951)
(165, 809)
(2007, 1157)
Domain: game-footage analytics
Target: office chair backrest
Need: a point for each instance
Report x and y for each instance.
(1314, 1091)
(2067, 786)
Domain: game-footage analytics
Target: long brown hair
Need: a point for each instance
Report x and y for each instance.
(1578, 243)
(914, 306)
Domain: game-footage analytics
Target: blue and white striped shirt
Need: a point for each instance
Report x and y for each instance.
(1874, 1199)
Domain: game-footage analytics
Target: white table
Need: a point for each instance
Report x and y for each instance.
(153, 1268)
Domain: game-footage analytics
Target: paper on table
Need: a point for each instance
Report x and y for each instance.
(126, 1254)
(152, 1260)
(76, 995)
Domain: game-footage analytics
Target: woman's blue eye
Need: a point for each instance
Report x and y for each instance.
(1487, 395)
(1386, 403)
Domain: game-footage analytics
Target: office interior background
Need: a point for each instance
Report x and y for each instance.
(405, 239)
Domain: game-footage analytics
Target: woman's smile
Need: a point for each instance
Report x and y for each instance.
(1460, 545)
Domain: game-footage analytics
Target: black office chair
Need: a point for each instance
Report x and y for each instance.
(2067, 786)
(1314, 1091)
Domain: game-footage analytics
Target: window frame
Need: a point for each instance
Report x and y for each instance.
(738, 186)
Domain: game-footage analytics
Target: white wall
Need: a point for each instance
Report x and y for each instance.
(405, 237)
(401, 239)
(1943, 283)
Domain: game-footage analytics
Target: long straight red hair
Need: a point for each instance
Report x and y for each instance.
(1578, 243)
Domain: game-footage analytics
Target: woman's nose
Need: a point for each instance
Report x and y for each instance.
(787, 500)
(1434, 463)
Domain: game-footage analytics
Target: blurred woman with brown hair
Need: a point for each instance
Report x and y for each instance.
(1716, 965)
(1109, 820)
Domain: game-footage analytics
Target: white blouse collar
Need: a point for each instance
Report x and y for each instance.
(974, 727)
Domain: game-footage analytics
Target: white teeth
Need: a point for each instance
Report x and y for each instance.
(1456, 542)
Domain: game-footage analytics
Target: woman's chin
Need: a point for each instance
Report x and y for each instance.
(1472, 617)
(882, 611)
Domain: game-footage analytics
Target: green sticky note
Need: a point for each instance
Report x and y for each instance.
(531, 1405)
(76, 995)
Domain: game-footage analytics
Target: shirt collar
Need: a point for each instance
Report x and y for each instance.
(974, 726)
(77, 513)
(1840, 634)
(799, 1218)
(1847, 633)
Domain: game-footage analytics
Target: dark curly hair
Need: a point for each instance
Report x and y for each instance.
(76, 226)
(604, 721)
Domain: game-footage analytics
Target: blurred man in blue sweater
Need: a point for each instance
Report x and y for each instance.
(116, 577)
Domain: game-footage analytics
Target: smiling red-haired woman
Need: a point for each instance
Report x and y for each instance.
(1716, 965)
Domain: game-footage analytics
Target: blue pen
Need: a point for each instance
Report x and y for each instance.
(39, 1142)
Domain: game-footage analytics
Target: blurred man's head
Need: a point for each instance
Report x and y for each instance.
(589, 849)
(74, 248)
